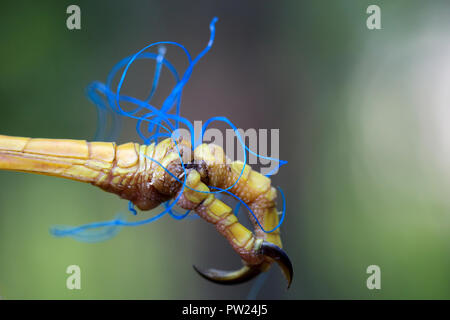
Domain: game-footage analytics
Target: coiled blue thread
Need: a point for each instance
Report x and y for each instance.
(157, 120)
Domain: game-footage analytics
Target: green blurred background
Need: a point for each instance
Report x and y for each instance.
(363, 123)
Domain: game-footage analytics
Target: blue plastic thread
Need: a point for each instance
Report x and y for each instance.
(156, 119)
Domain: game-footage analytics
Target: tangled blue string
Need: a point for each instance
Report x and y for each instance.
(161, 123)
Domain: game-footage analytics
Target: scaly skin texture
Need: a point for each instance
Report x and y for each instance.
(128, 171)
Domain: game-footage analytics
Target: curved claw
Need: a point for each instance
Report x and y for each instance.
(247, 273)
(280, 257)
(242, 275)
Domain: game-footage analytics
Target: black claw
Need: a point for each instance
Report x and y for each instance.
(242, 275)
(280, 257)
(247, 273)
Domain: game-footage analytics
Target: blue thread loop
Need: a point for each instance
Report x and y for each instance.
(160, 123)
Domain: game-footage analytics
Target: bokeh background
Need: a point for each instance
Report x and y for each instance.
(363, 118)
